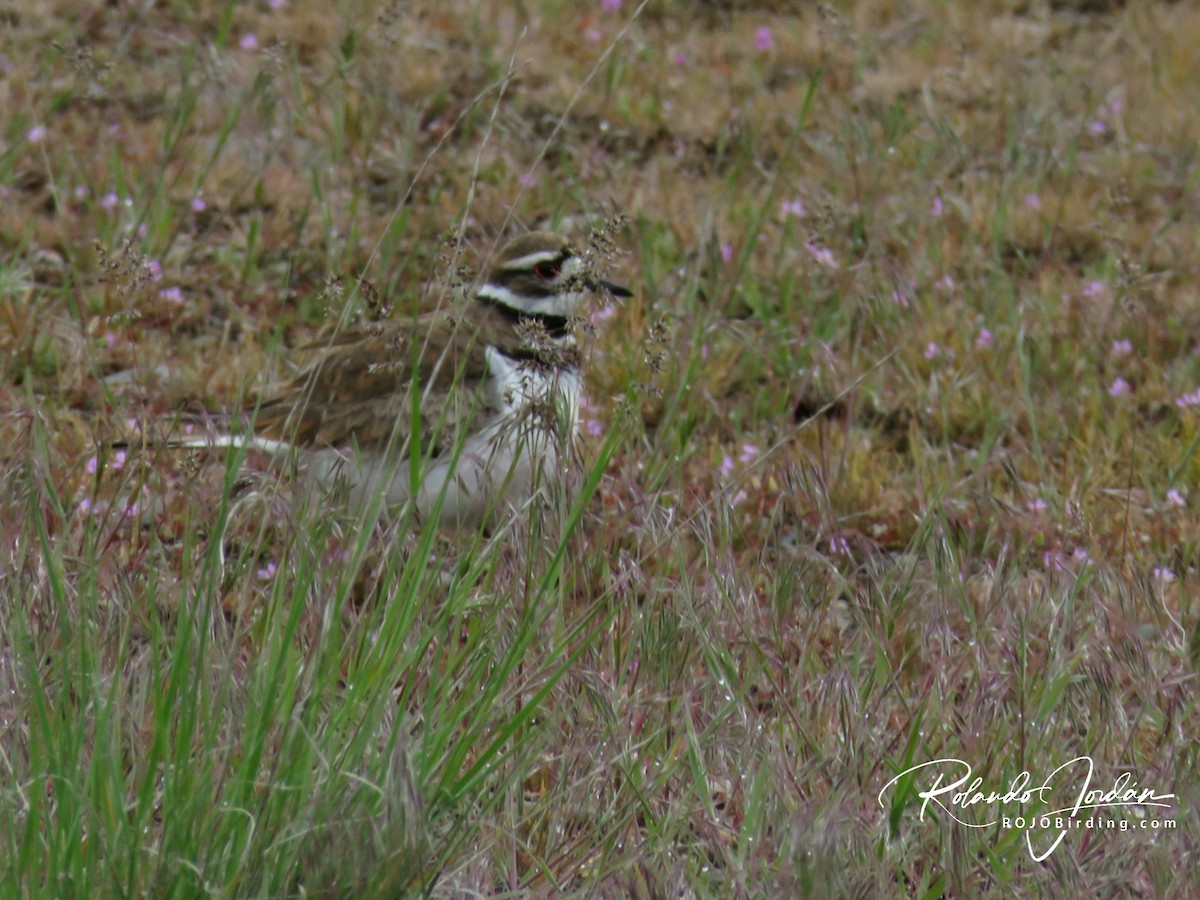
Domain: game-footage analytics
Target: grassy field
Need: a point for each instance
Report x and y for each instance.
(891, 459)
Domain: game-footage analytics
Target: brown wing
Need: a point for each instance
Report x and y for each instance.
(360, 390)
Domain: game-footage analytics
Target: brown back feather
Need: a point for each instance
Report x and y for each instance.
(360, 390)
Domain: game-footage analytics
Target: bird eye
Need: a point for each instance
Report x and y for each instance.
(547, 271)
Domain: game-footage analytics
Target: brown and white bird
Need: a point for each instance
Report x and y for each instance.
(488, 395)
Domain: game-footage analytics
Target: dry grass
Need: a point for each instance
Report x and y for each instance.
(897, 459)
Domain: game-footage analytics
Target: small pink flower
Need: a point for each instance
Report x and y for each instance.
(171, 295)
(749, 453)
(154, 270)
(985, 340)
(839, 545)
(85, 504)
(249, 41)
(738, 498)
(277, 4)
(604, 313)
(90, 465)
(900, 298)
(36, 134)
(1118, 388)
(1093, 288)
(763, 39)
(1163, 574)
(1122, 347)
(110, 200)
(595, 427)
(1033, 201)
(1097, 127)
(726, 253)
(792, 208)
(1175, 498)
(1036, 505)
(198, 204)
(1081, 556)
(681, 59)
(610, 5)
(1184, 401)
(593, 35)
(267, 572)
(529, 179)
(727, 465)
(935, 209)
(822, 255)
(118, 460)
(945, 283)
(80, 192)
(931, 350)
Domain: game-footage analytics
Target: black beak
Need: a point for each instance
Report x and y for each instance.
(609, 288)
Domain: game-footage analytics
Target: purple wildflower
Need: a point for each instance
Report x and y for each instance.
(792, 208)
(823, 255)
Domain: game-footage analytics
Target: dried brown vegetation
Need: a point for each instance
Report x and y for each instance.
(894, 450)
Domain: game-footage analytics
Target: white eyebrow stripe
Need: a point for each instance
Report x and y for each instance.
(560, 304)
(529, 260)
(500, 294)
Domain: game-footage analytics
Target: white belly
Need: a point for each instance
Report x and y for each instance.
(521, 450)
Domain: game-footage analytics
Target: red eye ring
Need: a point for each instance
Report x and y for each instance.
(547, 271)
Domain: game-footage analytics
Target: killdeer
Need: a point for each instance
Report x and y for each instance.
(462, 413)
